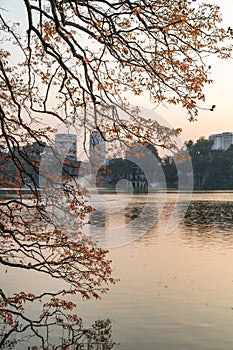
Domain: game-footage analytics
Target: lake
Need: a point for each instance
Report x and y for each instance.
(176, 287)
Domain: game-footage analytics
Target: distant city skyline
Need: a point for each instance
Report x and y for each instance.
(67, 144)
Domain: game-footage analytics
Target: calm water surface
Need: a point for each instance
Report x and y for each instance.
(176, 289)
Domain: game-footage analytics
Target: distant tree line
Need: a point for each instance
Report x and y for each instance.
(212, 169)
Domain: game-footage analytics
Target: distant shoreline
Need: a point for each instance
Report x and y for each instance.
(10, 191)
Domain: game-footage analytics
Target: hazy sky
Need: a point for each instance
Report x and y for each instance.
(220, 93)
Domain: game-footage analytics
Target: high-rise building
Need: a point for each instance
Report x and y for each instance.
(66, 145)
(222, 141)
(227, 140)
(97, 147)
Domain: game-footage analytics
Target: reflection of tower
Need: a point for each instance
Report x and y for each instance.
(97, 147)
(66, 145)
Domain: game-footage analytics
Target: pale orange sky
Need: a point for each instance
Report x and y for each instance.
(220, 93)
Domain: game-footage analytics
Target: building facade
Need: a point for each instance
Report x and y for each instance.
(66, 145)
(97, 147)
(221, 141)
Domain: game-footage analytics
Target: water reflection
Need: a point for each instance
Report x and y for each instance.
(207, 214)
(70, 336)
(209, 222)
(120, 227)
(204, 221)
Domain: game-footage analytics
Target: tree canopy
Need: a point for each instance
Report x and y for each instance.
(77, 60)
